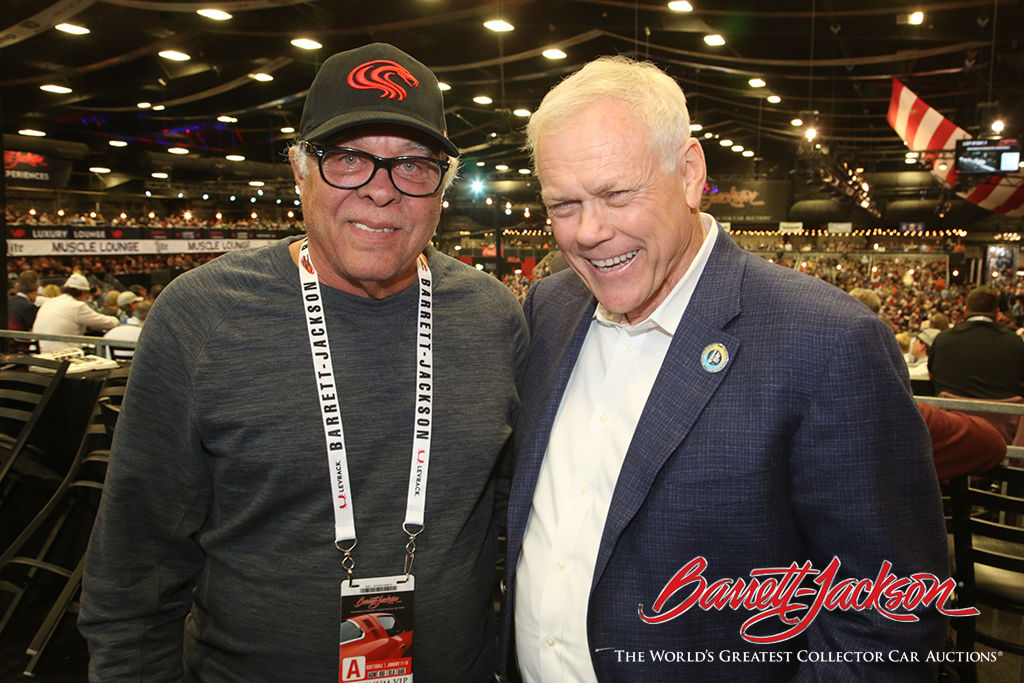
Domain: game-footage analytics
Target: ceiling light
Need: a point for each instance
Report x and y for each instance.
(443, 86)
(256, 183)
(178, 150)
(501, 167)
(306, 44)
(143, 105)
(910, 160)
(499, 26)
(725, 143)
(737, 148)
(159, 175)
(708, 135)
(117, 143)
(774, 99)
(797, 122)
(756, 83)
(748, 152)
(262, 77)
(997, 126)
(917, 18)
(714, 40)
(62, 90)
(680, 6)
(524, 171)
(696, 126)
(287, 129)
(522, 112)
(72, 29)
(554, 53)
(810, 133)
(227, 119)
(481, 163)
(158, 107)
(32, 133)
(174, 56)
(235, 157)
(482, 99)
(214, 14)
(911, 155)
(98, 169)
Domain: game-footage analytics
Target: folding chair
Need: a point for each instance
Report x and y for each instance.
(27, 384)
(988, 545)
(30, 552)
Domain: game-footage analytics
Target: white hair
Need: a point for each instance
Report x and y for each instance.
(653, 97)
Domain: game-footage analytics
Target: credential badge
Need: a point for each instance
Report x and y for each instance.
(714, 357)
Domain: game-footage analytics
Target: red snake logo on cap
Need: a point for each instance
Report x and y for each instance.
(376, 75)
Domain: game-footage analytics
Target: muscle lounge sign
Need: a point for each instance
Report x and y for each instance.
(748, 201)
(29, 169)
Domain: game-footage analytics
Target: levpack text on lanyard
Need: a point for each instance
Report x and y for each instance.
(330, 413)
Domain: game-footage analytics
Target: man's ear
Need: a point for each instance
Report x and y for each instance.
(695, 172)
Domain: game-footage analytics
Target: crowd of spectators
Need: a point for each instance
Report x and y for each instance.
(106, 272)
(96, 219)
(911, 280)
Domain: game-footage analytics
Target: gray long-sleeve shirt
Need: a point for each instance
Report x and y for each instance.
(219, 479)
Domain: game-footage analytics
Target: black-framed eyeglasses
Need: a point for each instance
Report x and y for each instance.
(348, 169)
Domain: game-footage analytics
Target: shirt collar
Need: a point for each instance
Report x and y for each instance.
(668, 314)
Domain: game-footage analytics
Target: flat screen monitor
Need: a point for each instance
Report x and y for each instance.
(987, 156)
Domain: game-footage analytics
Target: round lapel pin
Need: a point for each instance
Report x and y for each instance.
(714, 357)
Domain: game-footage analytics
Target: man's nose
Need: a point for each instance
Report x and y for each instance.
(594, 226)
(379, 188)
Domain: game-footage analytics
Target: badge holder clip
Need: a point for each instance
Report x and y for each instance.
(348, 562)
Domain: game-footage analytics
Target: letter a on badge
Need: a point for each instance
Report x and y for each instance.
(353, 669)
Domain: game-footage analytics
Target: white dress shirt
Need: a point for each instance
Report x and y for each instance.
(598, 414)
(66, 315)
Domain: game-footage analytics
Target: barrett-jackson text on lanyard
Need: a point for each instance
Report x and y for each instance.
(334, 433)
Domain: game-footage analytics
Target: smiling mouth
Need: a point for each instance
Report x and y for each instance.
(609, 264)
(369, 229)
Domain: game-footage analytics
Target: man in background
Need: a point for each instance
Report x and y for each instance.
(71, 314)
(21, 307)
(980, 357)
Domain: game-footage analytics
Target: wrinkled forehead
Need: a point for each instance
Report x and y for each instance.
(410, 140)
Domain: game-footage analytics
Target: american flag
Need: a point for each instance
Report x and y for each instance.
(926, 130)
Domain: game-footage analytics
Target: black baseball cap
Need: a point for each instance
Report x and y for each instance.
(376, 83)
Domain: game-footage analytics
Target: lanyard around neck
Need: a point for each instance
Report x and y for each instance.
(330, 413)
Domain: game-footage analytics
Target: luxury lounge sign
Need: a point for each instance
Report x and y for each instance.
(35, 170)
(749, 201)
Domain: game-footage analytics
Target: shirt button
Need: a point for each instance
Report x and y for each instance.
(629, 348)
(550, 641)
(560, 565)
(604, 417)
(583, 489)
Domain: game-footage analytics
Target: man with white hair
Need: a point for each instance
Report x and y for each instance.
(70, 314)
(695, 417)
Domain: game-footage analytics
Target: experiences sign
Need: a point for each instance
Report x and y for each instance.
(748, 201)
(29, 169)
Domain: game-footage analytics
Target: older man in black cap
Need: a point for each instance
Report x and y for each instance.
(287, 401)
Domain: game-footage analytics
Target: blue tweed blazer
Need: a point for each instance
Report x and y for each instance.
(806, 446)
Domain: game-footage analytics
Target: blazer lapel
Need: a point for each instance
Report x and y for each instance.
(558, 342)
(688, 379)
